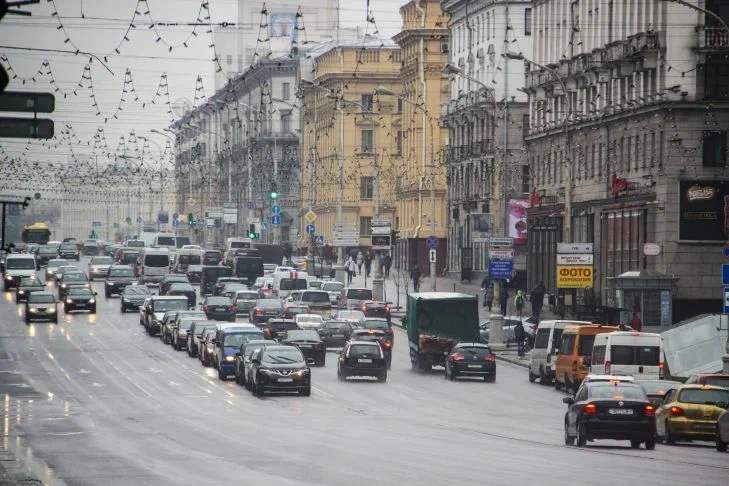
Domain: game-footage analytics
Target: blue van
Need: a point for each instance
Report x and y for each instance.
(228, 340)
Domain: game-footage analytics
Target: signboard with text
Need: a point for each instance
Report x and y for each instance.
(501, 269)
(703, 211)
(574, 276)
(575, 259)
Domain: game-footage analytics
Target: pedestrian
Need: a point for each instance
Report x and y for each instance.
(488, 298)
(537, 299)
(415, 275)
(504, 299)
(368, 263)
(636, 323)
(360, 262)
(519, 301)
(519, 336)
(349, 266)
(387, 263)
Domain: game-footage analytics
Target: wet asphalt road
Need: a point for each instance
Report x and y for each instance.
(95, 400)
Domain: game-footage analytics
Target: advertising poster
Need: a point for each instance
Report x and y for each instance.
(703, 211)
(518, 220)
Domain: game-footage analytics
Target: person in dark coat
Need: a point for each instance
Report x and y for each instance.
(415, 276)
(537, 299)
(368, 263)
(519, 335)
(387, 262)
(504, 299)
(488, 297)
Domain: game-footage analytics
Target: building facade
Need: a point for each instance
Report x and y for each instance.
(421, 185)
(488, 173)
(627, 146)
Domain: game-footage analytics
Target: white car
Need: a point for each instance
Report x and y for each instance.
(309, 321)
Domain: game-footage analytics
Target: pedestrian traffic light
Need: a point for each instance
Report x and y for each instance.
(274, 192)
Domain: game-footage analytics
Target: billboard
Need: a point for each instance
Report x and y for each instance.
(283, 25)
(703, 211)
(518, 220)
(574, 276)
(481, 227)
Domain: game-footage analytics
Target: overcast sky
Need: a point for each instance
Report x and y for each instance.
(99, 27)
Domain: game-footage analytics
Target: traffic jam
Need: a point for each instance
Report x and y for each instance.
(267, 327)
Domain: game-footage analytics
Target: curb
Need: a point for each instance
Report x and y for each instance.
(514, 361)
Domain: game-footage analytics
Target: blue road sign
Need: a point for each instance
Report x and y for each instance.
(275, 209)
(175, 216)
(264, 226)
(175, 223)
(96, 224)
(139, 219)
(310, 229)
(275, 219)
(432, 242)
(320, 240)
(726, 300)
(725, 274)
(501, 269)
(128, 220)
(250, 205)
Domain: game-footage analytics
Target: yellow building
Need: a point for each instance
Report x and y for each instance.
(421, 184)
(338, 86)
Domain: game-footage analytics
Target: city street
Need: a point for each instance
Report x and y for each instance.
(95, 400)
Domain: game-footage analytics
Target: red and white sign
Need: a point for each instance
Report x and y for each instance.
(574, 259)
(502, 253)
(651, 249)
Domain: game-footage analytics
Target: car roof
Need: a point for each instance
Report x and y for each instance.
(697, 386)
(168, 297)
(367, 343)
(36, 294)
(21, 256)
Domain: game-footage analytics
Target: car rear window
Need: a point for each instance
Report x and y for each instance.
(189, 260)
(660, 387)
(363, 349)
(315, 297)
(168, 305)
(303, 336)
(375, 324)
(282, 326)
(289, 284)
(136, 290)
(708, 397)
(477, 350)
(359, 294)
(218, 301)
(584, 347)
(611, 390)
(332, 287)
(717, 381)
(246, 296)
(156, 260)
(337, 325)
(102, 261)
(166, 240)
(635, 355)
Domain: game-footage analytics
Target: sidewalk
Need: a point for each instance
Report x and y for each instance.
(13, 472)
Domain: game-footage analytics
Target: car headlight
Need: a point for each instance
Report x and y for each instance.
(69, 301)
(33, 309)
(21, 291)
(52, 310)
(92, 301)
(64, 286)
(230, 358)
(265, 372)
(301, 372)
(8, 277)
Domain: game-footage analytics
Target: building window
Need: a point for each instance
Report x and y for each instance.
(286, 122)
(366, 187)
(398, 143)
(527, 21)
(285, 91)
(714, 149)
(229, 59)
(716, 80)
(525, 183)
(367, 102)
(367, 141)
(365, 226)
(399, 105)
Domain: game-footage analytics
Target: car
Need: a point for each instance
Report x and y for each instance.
(90, 248)
(69, 280)
(155, 310)
(125, 256)
(195, 336)
(591, 378)
(335, 333)
(230, 289)
(373, 308)
(99, 266)
(228, 340)
(268, 268)
(610, 410)
(52, 267)
(309, 342)
(334, 289)
(316, 300)
(690, 412)
(182, 330)
(243, 359)
(132, 297)
(41, 305)
(245, 300)
(168, 326)
(185, 290)
(293, 309)
(656, 389)
(69, 251)
(714, 379)
(169, 279)
(221, 282)
(80, 298)
(277, 328)
(378, 336)
(309, 321)
(722, 431)
(354, 297)
(264, 310)
(354, 317)
(315, 284)
(263, 285)
(379, 323)
(26, 286)
(117, 278)
(528, 323)
(279, 368)
(471, 359)
(17, 266)
(44, 255)
(212, 257)
(194, 273)
(218, 308)
(206, 352)
(362, 359)
(68, 268)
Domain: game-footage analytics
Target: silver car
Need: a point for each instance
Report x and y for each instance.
(99, 266)
(245, 300)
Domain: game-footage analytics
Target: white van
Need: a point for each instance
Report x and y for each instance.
(165, 240)
(285, 282)
(631, 353)
(17, 266)
(546, 340)
(187, 257)
(154, 264)
(234, 243)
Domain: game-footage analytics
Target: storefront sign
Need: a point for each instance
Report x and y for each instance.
(574, 276)
(703, 211)
(576, 259)
(481, 227)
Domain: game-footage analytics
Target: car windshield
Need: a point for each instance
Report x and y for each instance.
(282, 356)
(56, 264)
(309, 318)
(20, 264)
(617, 391)
(703, 396)
(234, 287)
(157, 261)
(217, 301)
(30, 282)
(363, 349)
(121, 272)
(40, 299)
(268, 303)
(246, 296)
(717, 381)
(658, 387)
(315, 284)
(135, 243)
(167, 305)
(181, 241)
(102, 261)
(342, 326)
(235, 339)
(68, 246)
(189, 260)
(375, 324)
(332, 287)
(315, 297)
(48, 249)
(129, 257)
(182, 287)
(136, 290)
(359, 294)
(165, 241)
(74, 277)
(83, 292)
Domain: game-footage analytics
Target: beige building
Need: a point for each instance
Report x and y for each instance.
(420, 184)
(341, 108)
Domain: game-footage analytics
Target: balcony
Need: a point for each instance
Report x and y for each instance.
(712, 39)
(618, 51)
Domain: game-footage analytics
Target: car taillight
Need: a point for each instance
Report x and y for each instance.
(267, 332)
(458, 357)
(258, 311)
(650, 410)
(490, 357)
(677, 411)
(590, 409)
(660, 371)
(232, 308)
(387, 344)
(608, 367)
(207, 308)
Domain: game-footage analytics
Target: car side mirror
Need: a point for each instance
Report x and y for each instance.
(568, 400)
(255, 361)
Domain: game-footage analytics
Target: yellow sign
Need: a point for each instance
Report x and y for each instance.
(574, 276)
(310, 216)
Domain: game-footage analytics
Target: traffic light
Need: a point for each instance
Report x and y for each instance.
(252, 234)
(191, 219)
(274, 192)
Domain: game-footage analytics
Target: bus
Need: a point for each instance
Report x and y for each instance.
(36, 233)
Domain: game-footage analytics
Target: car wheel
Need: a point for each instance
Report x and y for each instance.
(490, 378)
(568, 439)
(581, 438)
(635, 444)
(222, 376)
(93, 311)
(383, 377)
(532, 376)
(650, 444)
(107, 294)
(259, 390)
(306, 391)
(669, 438)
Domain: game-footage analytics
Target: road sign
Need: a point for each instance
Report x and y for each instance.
(651, 249)
(96, 224)
(191, 201)
(310, 229)
(726, 250)
(210, 223)
(319, 240)
(501, 242)
(574, 247)
(175, 223)
(342, 242)
(264, 226)
(432, 255)
(254, 220)
(27, 102)
(575, 259)
(175, 216)
(345, 226)
(230, 215)
(214, 212)
(500, 269)
(276, 219)
(725, 274)
(380, 222)
(275, 209)
(310, 216)
(381, 230)
(381, 242)
(502, 253)
(128, 220)
(250, 205)
(432, 241)
(726, 300)
(12, 127)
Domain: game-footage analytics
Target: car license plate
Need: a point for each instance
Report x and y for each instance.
(363, 360)
(620, 411)
(475, 366)
(285, 380)
(220, 309)
(338, 335)
(80, 304)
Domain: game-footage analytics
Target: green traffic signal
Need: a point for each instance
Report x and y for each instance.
(274, 195)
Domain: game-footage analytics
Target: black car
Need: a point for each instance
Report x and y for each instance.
(362, 358)
(169, 279)
(25, 287)
(471, 359)
(222, 281)
(194, 273)
(335, 333)
(219, 309)
(280, 368)
(310, 344)
(168, 326)
(117, 278)
(127, 257)
(610, 410)
(133, 296)
(80, 298)
(210, 275)
(379, 323)
(264, 310)
(378, 336)
(41, 305)
(45, 253)
(90, 248)
(195, 334)
(184, 289)
(243, 359)
(69, 251)
(372, 308)
(68, 280)
(656, 390)
(276, 328)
